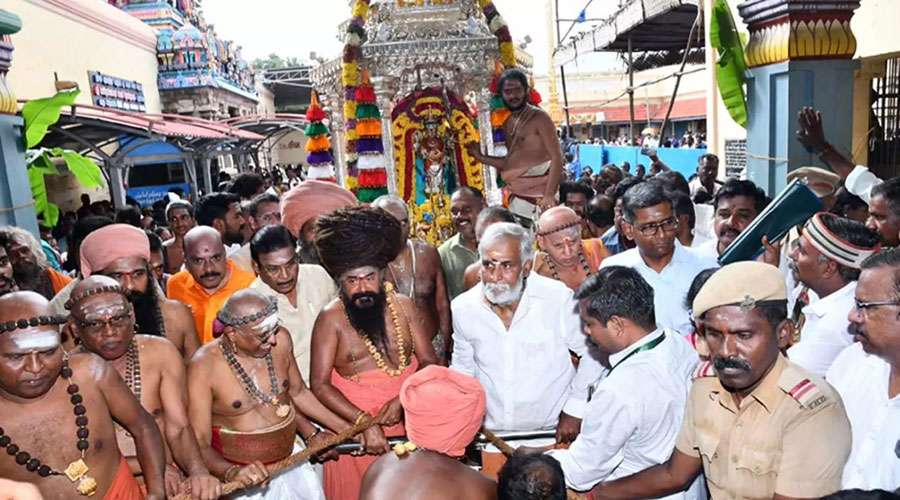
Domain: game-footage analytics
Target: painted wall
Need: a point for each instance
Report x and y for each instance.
(72, 37)
(875, 26)
(683, 161)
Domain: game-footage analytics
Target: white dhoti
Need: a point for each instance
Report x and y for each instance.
(300, 482)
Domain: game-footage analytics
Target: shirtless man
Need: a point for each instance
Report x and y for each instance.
(444, 410)
(416, 273)
(122, 252)
(564, 256)
(248, 401)
(180, 215)
(58, 413)
(102, 319)
(364, 343)
(533, 166)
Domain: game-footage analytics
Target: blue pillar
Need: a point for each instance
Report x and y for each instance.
(799, 54)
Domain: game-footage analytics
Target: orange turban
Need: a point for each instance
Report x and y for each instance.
(311, 199)
(110, 243)
(444, 409)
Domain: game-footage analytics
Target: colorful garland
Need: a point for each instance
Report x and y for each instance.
(318, 143)
(499, 29)
(350, 79)
(370, 163)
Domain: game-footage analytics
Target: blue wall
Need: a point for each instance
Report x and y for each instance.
(681, 160)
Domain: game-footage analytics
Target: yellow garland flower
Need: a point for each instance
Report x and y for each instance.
(350, 74)
(361, 9)
(352, 135)
(351, 182)
(350, 109)
(484, 3)
(508, 54)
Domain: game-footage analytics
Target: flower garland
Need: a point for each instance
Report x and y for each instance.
(499, 29)
(318, 144)
(370, 162)
(350, 79)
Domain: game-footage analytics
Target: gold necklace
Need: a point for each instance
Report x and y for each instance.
(398, 332)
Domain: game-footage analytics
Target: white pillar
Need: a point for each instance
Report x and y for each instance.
(385, 93)
(117, 186)
(487, 146)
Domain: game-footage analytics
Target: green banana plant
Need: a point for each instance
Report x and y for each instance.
(39, 115)
(732, 68)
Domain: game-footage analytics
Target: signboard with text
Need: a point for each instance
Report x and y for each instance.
(116, 93)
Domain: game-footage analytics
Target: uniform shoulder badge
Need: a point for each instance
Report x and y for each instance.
(807, 393)
(704, 369)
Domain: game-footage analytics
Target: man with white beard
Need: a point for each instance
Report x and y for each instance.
(513, 332)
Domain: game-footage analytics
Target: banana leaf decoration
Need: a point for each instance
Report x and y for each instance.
(732, 67)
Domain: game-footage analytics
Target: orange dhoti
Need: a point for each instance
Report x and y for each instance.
(124, 486)
(369, 391)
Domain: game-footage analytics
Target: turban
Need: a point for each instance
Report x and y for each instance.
(742, 283)
(444, 409)
(833, 246)
(110, 243)
(355, 237)
(822, 182)
(311, 199)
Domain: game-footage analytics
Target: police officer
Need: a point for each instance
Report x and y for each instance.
(758, 426)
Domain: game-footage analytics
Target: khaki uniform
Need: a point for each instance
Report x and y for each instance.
(789, 437)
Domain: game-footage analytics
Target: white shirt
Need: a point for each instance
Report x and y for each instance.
(824, 334)
(634, 415)
(526, 371)
(862, 381)
(670, 287)
(708, 249)
(861, 181)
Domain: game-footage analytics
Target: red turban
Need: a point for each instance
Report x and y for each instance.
(110, 243)
(311, 199)
(444, 409)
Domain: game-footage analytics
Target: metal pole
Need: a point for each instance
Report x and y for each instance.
(562, 75)
(630, 93)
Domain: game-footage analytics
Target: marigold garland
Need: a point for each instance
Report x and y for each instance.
(350, 78)
(369, 146)
(318, 144)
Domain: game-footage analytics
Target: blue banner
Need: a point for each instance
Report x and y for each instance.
(148, 195)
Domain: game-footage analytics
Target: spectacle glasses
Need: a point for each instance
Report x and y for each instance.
(667, 226)
(98, 325)
(864, 307)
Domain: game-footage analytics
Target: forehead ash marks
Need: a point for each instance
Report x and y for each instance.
(33, 341)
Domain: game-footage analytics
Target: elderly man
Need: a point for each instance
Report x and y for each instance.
(533, 165)
(302, 206)
(302, 290)
(416, 273)
(58, 412)
(867, 376)
(263, 210)
(122, 252)
(366, 343)
(103, 321)
(7, 281)
(248, 402)
(513, 332)
(635, 412)
(565, 256)
(756, 427)
(827, 259)
(180, 216)
(443, 410)
(487, 217)
(649, 220)
(208, 280)
(30, 268)
(460, 251)
(222, 212)
(735, 206)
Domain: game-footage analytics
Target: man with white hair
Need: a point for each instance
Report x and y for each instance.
(513, 332)
(31, 271)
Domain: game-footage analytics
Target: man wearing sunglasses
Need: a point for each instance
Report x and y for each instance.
(867, 376)
(103, 322)
(648, 219)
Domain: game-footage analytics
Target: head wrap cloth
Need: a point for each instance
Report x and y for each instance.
(312, 199)
(444, 409)
(833, 246)
(356, 237)
(110, 243)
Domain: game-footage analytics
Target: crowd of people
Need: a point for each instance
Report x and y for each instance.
(590, 326)
(689, 140)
